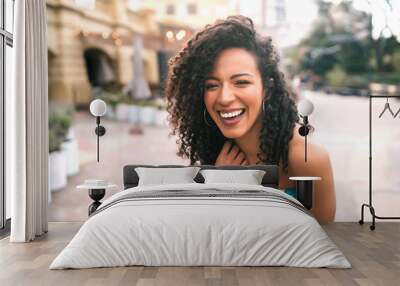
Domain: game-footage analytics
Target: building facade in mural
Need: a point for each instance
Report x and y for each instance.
(93, 47)
(90, 48)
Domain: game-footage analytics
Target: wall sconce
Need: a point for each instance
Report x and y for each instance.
(305, 108)
(98, 108)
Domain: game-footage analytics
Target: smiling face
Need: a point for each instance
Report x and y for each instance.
(234, 92)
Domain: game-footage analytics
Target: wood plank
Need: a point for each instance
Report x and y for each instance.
(375, 257)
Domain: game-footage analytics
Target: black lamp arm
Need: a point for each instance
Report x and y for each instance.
(303, 131)
(305, 120)
(100, 131)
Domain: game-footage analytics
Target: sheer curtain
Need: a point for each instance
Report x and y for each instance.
(27, 123)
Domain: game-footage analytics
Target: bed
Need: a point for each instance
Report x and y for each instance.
(201, 223)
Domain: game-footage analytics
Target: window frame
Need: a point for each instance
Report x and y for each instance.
(191, 8)
(170, 9)
(6, 39)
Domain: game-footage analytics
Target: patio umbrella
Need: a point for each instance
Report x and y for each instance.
(138, 87)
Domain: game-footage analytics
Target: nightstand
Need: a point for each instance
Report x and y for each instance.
(304, 188)
(97, 190)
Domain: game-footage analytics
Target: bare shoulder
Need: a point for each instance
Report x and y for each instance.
(317, 157)
(318, 164)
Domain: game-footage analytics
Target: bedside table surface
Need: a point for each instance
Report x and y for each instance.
(86, 187)
(305, 178)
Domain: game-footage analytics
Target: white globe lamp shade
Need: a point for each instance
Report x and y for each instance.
(98, 107)
(305, 107)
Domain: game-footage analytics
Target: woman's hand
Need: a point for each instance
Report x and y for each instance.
(231, 155)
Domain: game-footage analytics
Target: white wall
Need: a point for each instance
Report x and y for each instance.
(341, 126)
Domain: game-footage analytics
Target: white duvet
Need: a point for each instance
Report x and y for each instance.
(182, 231)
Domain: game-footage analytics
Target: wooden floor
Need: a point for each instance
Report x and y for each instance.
(374, 255)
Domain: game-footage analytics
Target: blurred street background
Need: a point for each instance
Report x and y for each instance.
(334, 53)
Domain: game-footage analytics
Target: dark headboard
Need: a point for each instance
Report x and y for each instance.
(270, 179)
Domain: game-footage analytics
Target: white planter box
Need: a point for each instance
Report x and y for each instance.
(71, 150)
(134, 114)
(70, 147)
(162, 118)
(122, 112)
(147, 115)
(57, 171)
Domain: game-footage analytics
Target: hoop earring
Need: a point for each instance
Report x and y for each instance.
(205, 118)
(263, 105)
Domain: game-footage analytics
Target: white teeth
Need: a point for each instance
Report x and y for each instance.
(231, 114)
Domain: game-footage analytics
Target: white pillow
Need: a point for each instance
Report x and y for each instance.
(248, 177)
(162, 176)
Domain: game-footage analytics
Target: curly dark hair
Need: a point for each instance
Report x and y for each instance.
(185, 88)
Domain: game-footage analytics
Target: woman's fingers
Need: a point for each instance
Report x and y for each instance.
(244, 163)
(222, 158)
(240, 158)
(226, 148)
(231, 155)
(234, 153)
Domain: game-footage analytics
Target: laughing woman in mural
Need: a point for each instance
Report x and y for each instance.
(229, 105)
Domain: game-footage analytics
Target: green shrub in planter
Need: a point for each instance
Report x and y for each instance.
(160, 104)
(55, 141)
(112, 99)
(59, 124)
(141, 103)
